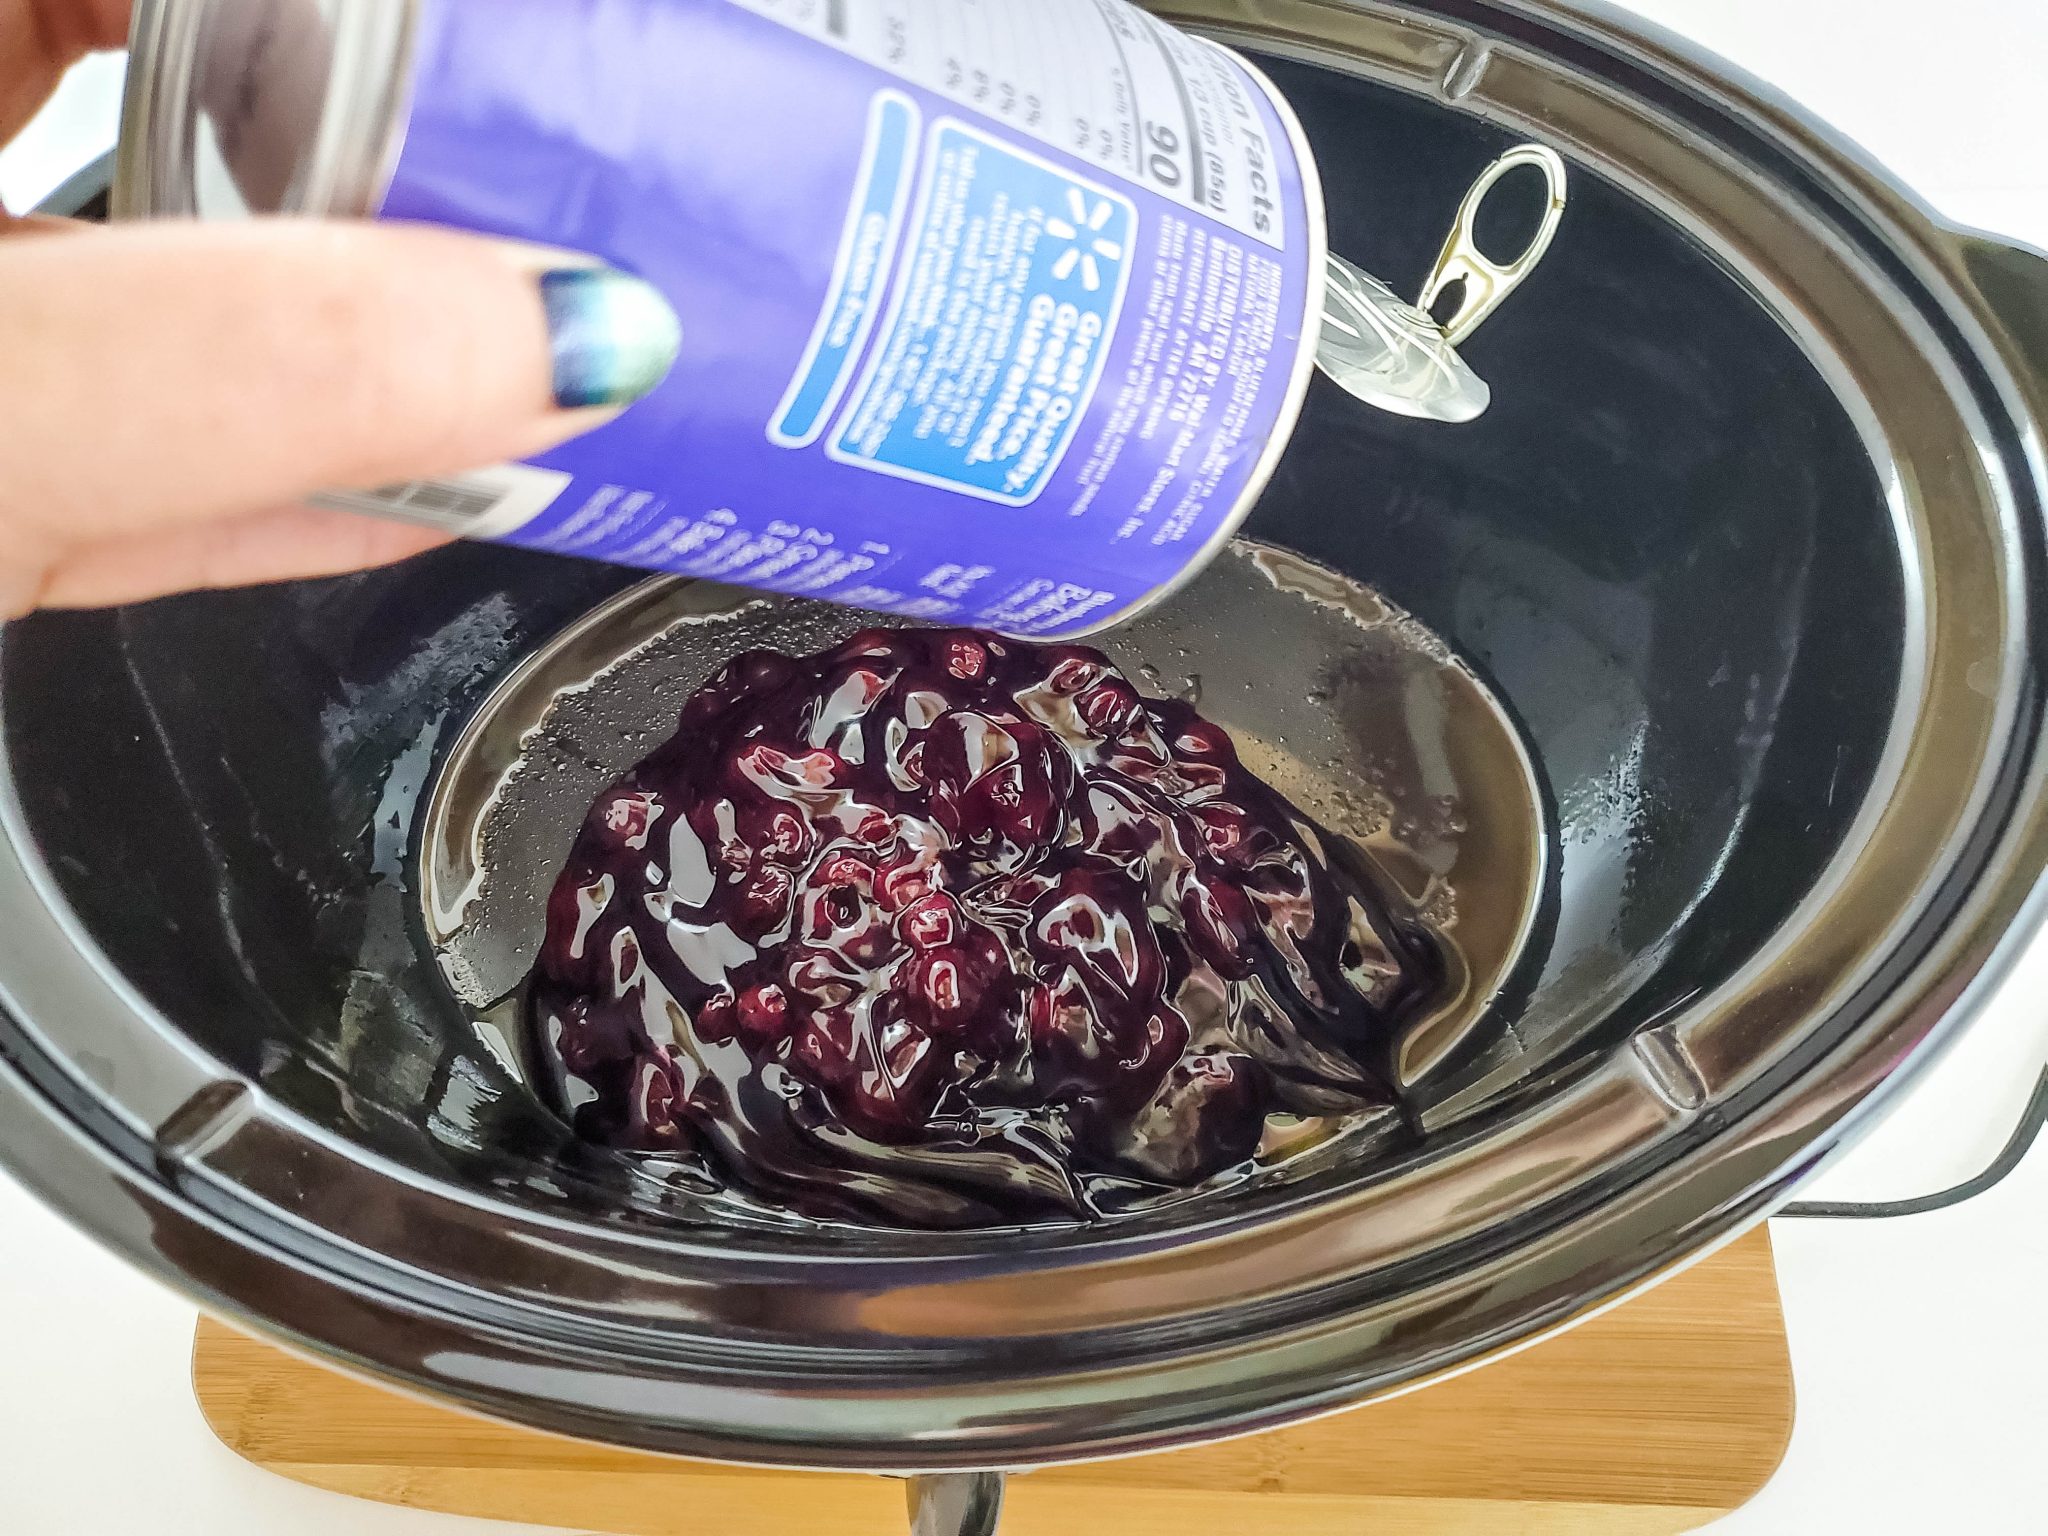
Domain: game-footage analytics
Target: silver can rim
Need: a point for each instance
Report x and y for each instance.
(347, 165)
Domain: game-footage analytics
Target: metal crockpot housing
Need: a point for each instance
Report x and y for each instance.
(1548, 1191)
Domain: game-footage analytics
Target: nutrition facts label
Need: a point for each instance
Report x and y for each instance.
(1098, 79)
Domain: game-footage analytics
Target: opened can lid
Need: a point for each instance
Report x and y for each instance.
(1390, 354)
(1396, 355)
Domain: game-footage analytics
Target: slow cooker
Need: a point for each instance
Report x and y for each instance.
(1749, 546)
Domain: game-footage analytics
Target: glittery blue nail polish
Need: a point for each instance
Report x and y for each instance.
(613, 337)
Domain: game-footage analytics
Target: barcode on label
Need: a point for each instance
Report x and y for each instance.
(483, 504)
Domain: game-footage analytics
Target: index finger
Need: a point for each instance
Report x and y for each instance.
(39, 40)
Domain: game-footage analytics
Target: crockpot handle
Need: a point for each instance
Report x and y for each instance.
(956, 1504)
(2013, 282)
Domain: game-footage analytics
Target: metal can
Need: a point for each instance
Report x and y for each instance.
(995, 311)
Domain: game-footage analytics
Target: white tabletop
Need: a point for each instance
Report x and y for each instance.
(1919, 1346)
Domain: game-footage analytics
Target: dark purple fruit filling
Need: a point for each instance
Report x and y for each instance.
(945, 930)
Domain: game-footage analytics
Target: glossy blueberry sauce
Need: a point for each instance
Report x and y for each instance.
(937, 929)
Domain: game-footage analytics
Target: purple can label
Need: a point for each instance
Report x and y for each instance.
(991, 308)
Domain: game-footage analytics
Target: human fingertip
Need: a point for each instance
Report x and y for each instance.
(612, 337)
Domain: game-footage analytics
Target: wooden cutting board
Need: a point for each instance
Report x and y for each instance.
(1659, 1416)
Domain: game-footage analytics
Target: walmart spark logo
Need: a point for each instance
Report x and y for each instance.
(1090, 247)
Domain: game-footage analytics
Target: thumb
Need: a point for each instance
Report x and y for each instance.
(160, 378)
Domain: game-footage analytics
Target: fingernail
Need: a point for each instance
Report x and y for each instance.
(613, 337)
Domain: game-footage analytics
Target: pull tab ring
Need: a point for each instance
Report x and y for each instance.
(1488, 282)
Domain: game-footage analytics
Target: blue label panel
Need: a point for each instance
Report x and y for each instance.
(866, 249)
(1010, 288)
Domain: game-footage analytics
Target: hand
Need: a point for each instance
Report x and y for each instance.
(170, 393)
